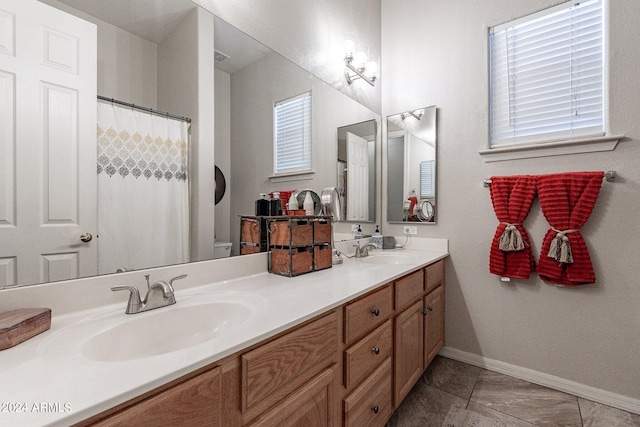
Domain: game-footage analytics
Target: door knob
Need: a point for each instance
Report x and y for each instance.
(86, 237)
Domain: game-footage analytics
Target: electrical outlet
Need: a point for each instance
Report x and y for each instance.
(410, 229)
(354, 228)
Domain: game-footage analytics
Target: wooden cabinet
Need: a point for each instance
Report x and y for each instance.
(311, 405)
(433, 324)
(408, 350)
(276, 369)
(196, 399)
(308, 375)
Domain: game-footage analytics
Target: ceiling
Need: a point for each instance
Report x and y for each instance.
(153, 20)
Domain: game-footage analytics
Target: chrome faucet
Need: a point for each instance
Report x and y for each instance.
(159, 294)
(363, 251)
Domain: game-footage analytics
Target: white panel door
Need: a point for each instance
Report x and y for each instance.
(357, 178)
(47, 144)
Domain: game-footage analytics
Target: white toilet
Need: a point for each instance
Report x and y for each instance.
(222, 250)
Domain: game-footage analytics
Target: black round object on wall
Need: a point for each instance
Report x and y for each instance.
(221, 185)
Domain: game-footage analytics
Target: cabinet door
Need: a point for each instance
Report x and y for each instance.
(408, 350)
(314, 404)
(433, 324)
(193, 402)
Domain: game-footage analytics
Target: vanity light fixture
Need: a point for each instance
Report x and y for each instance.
(415, 113)
(359, 64)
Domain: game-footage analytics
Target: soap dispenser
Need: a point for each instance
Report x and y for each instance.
(376, 238)
(359, 233)
(308, 205)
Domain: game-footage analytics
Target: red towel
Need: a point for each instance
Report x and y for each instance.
(512, 197)
(567, 200)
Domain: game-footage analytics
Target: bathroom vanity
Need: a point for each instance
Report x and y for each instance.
(342, 346)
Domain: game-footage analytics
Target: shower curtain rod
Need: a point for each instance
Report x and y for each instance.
(609, 176)
(148, 110)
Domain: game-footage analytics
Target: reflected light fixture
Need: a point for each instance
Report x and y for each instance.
(417, 114)
(358, 63)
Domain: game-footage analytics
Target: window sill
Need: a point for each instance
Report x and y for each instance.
(292, 176)
(587, 145)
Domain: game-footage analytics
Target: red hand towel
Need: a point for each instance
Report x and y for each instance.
(512, 197)
(567, 200)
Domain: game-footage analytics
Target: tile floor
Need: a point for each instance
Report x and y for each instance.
(499, 400)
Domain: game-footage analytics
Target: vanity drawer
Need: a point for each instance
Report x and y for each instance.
(273, 370)
(370, 403)
(409, 289)
(365, 356)
(365, 314)
(435, 275)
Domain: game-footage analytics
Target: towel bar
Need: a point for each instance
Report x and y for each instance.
(609, 176)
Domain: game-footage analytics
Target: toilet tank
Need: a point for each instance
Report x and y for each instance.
(222, 250)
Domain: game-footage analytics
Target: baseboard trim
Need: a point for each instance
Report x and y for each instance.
(581, 390)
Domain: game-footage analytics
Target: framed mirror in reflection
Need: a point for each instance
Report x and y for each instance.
(137, 63)
(357, 171)
(411, 166)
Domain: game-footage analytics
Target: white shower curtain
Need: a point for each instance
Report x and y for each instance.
(143, 191)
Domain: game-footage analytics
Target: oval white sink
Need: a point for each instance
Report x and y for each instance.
(165, 330)
(113, 336)
(395, 258)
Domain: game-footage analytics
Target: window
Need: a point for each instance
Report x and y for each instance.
(427, 179)
(292, 135)
(547, 78)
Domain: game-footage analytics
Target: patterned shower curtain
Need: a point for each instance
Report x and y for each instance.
(143, 192)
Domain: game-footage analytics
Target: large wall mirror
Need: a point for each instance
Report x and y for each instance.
(411, 166)
(249, 79)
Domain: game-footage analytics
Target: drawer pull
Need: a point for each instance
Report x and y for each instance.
(375, 409)
(375, 312)
(376, 350)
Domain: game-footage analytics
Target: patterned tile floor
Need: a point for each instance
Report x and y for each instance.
(505, 400)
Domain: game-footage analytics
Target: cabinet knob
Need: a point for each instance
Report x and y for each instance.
(425, 312)
(376, 350)
(375, 312)
(430, 308)
(375, 409)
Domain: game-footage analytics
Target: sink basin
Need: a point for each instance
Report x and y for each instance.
(162, 331)
(393, 258)
(195, 319)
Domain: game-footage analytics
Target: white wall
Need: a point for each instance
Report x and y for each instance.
(311, 34)
(120, 50)
(223, 153)
(587, 334)
(186, 87)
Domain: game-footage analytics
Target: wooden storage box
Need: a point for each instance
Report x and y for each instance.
(290, 232)
(291, 261)
(322, 256)
(253, 235)
(321, 231)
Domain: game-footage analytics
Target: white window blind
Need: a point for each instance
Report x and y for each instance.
(547, 76)
(292, 135)
(427, 179)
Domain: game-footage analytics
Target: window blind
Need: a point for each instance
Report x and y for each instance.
(292, 135)
(427, 179)
(547, 76)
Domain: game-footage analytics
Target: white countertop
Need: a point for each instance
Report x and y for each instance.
(48, 381)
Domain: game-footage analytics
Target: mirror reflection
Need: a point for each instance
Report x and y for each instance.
(152, 66)
(411, 166)
(357, 171)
